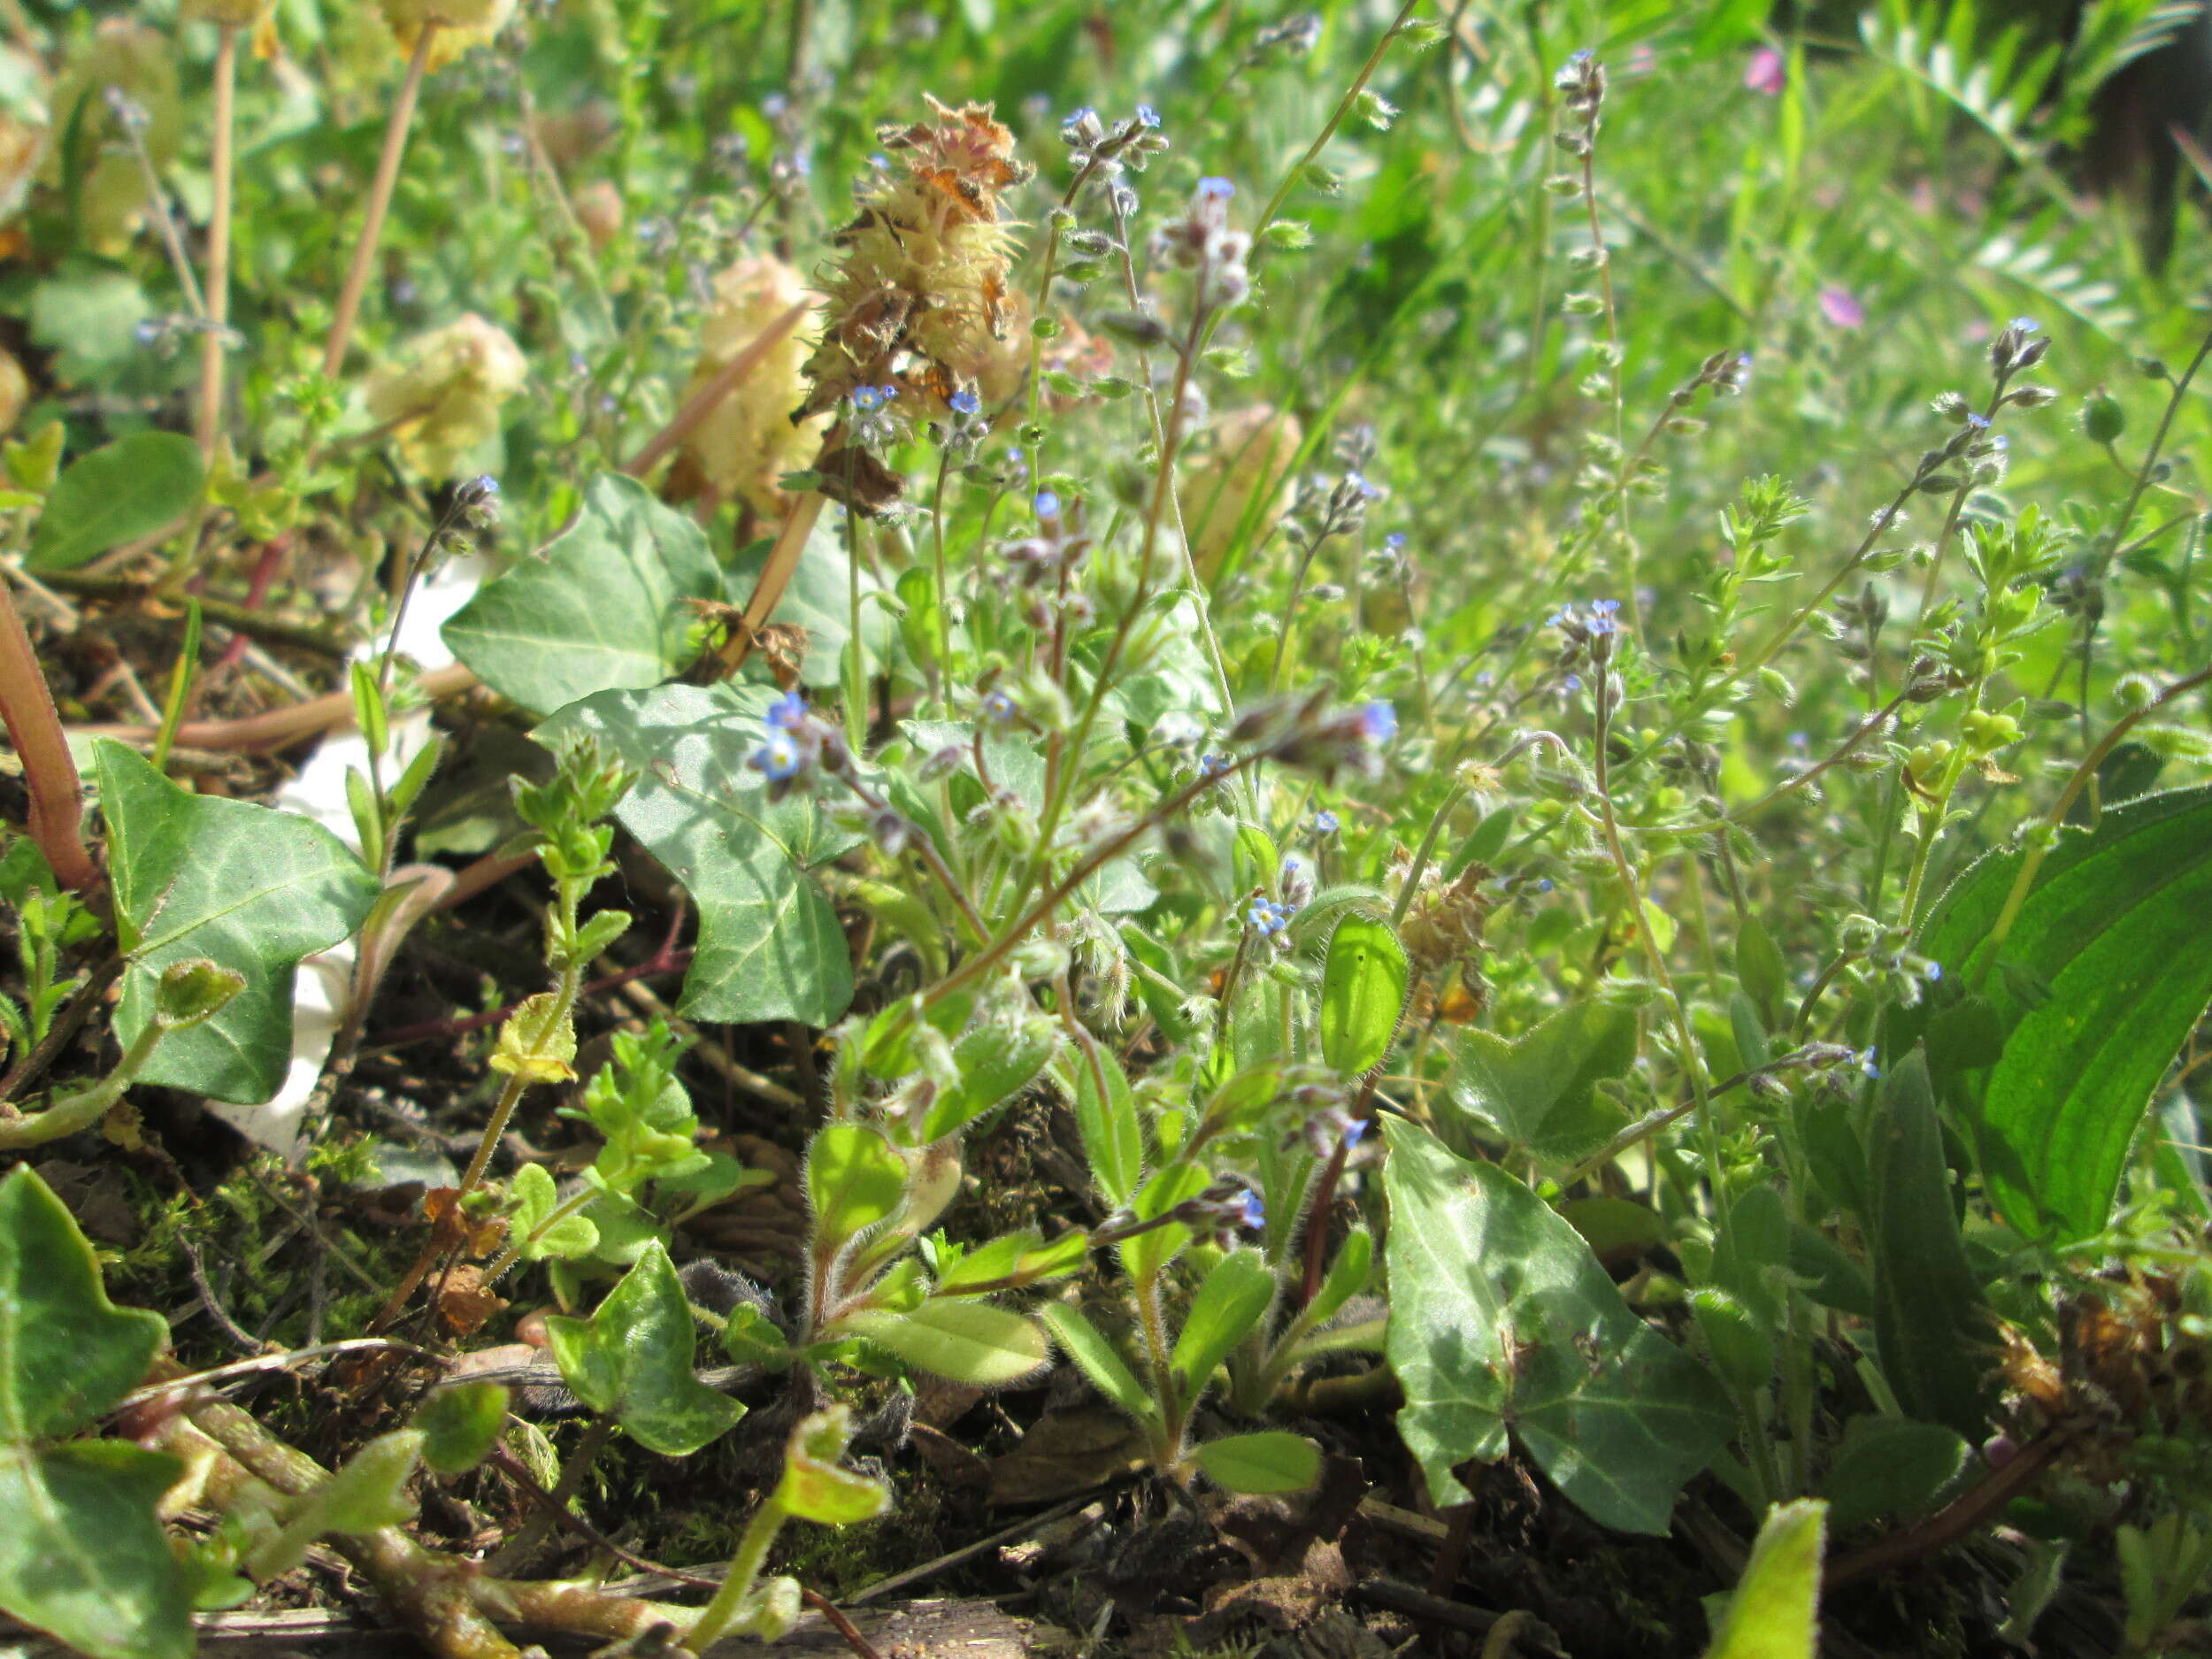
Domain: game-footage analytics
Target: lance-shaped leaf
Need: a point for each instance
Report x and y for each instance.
(2105, 971)
(1271, 1460)
(253, 889)
(634, 1357)
(968, 1340)
(1362, 992)
(81, 1553)
(602, 608)
(1775, 1613)
(1502, 1321)
(132, 488)
(770, 946)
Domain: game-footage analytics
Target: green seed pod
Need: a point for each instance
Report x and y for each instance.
(2103, 419)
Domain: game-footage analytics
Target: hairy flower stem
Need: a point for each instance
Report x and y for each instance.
(213, 346)
(26, 707)
(380, 202)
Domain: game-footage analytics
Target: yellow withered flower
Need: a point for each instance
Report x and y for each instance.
(237, 14)
(463, 25)
(750, 440)
(1243, 472)
(441, 395)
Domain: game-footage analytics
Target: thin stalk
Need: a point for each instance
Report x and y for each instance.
(726, 380)
(26, 707)
(380, 202)
(745, 1565)
(214, 342)
(87, 1106)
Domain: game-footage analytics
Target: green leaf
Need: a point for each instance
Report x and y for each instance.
(1347, 1278)
(2115, 927)
(370, 1491)
(770, 946)
(633, 1358)
(1502, 1320)
(1113, 1139)
(1539, 1091)
(459, 1424)
(998, 1057)
(1272, 1461)
(1890, 1466)
(89, 312)
(82, 1555)
(813, 1487)
(1095, 1356)
(854, 1180)
(535, 1198)
(1775, 1613)
(250, 888)
(1362, 992)
(1931, 1325)
(600, 609)
(132, 488)
(67, 1354)
(968, 1340)
(1148, 1252)
(1229, 1302)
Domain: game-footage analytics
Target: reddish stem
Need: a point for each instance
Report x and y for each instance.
(27, 705)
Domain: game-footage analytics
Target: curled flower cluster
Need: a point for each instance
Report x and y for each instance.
(1202, 243)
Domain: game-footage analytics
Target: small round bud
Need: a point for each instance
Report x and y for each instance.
(2102, 417)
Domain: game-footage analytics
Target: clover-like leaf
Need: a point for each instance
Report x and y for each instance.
(249, 888)
(634, 1357)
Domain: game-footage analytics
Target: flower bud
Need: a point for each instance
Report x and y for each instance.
(2103, 418)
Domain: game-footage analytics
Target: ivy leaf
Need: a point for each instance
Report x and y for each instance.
(634, 1359)
(1539, 1091)
(1501, 1321)
(770, 946)
(600, 609)
(82, 1554)
(136, 486)
(248, 888)
(2106, 970)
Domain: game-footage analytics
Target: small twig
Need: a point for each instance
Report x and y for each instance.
(213, 342)
(379, 199)
(267, 1362)
(726, 380)
(1965, 1513)
(280, 728)
(928, 1570)
(245, 619)
(240, 1338)
(64, 1028)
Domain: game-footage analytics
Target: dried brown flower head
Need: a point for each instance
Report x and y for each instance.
(918, 301)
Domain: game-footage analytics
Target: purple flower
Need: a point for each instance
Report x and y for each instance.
(1216, 189)
(1213, 765)
(965, 404)
(1379, 722)
(1841, 307)
(1326, 822)
(1352, 1132)
(1146, 116)
(1252, 1214)
(1766, 73)
(1047, 505)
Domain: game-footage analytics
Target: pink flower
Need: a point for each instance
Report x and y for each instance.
(1841, 307)
(1766, 73)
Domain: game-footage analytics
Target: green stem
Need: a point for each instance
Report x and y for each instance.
(87, 1106)
(745, 1565)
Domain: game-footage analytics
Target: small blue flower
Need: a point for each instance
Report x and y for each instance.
(1216, 189)
(1077, 116)
(1379, 722)
(1213, 766)
(1573, 682)
(1395, 540)
(1353, 1132)
(1146, 116)
(785, 713)
(1047, 505)
(1604, 607)
(1980, 423)
(778, 759)
(1581, 57)
(1865, 1059)
(1933, 973)
(866, 399)
(1252, 1214)
(2027, 325)
(965, 404)
(1326, 822)
(1544, 884)
(1266, 917)
(999, 708)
